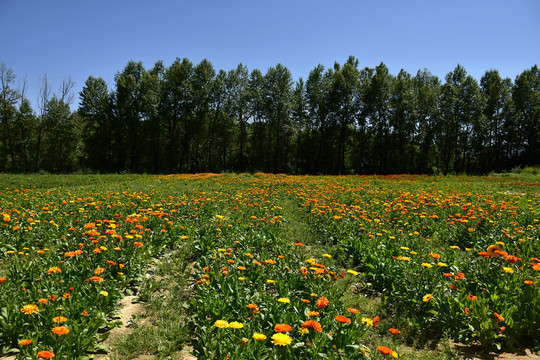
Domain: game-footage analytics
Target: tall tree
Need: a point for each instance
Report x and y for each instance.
(277, 109)
(526, 97)
(8, 100)
(99, 140)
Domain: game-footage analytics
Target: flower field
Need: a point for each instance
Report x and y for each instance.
(282, 266)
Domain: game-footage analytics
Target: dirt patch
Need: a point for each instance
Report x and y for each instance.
(473, 353)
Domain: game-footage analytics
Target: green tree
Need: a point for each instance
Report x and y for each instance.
(8, 112)
(99, 136)
(526, 98)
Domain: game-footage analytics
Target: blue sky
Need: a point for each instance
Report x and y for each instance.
(82, 38)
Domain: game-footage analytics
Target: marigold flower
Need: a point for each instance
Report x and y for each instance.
(96, 278)
(280, 339)
(427, 297)
(316, 326)
(459, 276)
(498, 317)
(30, 309)
(367, 321)
(43, 301)
(426, 265)
(507, 270)
(284, 300)
(492, 250)
(99, 271)
(394, 331)
(503, 328)
(54, 269)
(352, 310)
(384, 350)
(25, 342)
(472, 297)
(60, 330)
(221, 324)
(342, 319)
(235, 325)
(282, 328)
(303, 270)
(2, 280)
(376, 321)
(466, 311)
(259, 337)
(138, 244)
(58, 319)
(313, 313)
(528, 282)
(253, 308)
(45, 354)
(103, 293)
(322, 302)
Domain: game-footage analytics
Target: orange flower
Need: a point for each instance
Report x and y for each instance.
(513, 259)
(472, 297)
(448, 275)
(376, 320)
(30, 309)
(394, 331)
(99, 271)
(282, 328)
(253, 308)
(54, 269)
(45, 354)
(316, 326)
(60, 330)
(492, 250)
(498, 317)
(96, 278)
(303, 270)
(43, 301)
(484, 254)
(313, 313)
(85, 313)
(352, 310)
(2, 280)
(138, 244)
(25, 342)
(58, 319)
(322, 302)
(459, 276)
(384, 350)
(466, 310)
(342, 319)
(502, 329)
(529, 282)
(435, 256)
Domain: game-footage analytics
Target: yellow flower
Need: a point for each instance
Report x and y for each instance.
(352, 272)
(221, 324)
(427, 297)
(30, 309)
(327, 255)
(442, 264)
(395, 355)
(508, 270)
(367, 321)
(104, 293)
(281, 339)
(259, 337)
(270, 281)
(403, 258)
(284, 300)
(235, 325)
(426, 265)
(454, 247)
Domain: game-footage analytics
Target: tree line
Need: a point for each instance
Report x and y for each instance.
(340, 120)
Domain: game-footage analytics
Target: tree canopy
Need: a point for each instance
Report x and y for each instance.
(340, 120)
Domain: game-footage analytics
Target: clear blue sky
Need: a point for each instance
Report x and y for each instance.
(82, 38)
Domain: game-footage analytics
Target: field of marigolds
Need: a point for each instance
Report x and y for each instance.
(278, 267)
